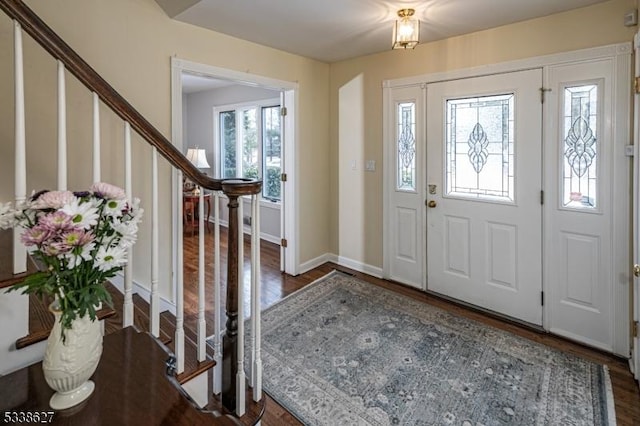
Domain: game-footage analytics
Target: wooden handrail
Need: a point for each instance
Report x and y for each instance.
(52, 43)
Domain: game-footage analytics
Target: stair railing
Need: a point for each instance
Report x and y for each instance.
(229, 348)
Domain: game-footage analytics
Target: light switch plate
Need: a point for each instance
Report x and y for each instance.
(370, 166)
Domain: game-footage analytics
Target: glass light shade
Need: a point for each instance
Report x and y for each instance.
(198, 158)
(406, 32)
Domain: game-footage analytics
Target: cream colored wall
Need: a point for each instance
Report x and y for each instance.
(597, 25)
(351, 174)
(130, 42)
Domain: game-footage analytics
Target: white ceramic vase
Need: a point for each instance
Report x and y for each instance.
(68, 365)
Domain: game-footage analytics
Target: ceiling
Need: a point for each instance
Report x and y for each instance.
(334, 30)
(192, 83)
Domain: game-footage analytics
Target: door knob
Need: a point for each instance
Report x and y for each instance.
(636, 270)
(431, 204)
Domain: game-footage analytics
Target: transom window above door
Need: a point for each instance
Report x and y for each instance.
(480, 147)
(249, 140)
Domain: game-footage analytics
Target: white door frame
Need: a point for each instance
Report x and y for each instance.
(634, 362)
(290, 209)
(622, 56)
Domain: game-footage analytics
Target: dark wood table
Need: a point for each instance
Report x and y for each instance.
(190, 205)
(132, 388)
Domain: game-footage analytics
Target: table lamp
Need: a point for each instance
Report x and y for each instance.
(198, 158)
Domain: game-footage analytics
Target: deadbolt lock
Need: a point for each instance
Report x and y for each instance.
(636, 270)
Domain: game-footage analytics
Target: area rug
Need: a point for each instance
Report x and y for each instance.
(345, 352)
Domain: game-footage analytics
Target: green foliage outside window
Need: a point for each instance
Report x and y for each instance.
(251, 165)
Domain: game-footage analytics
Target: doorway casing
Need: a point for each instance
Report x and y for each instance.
(290, 212)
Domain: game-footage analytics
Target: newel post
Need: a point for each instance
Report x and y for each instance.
(233, 189)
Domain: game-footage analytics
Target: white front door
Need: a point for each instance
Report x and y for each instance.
(586, 206)
(484, 221)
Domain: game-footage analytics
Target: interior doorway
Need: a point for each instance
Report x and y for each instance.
(206, 102)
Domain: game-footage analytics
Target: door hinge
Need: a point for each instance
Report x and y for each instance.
(283, 111)
(635, 329)
(542, 91)
(283, 242)
(541, 197)
(542, 298)
(636, 85)
(283, 177)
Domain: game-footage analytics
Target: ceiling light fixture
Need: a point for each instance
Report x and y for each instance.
(406, 30)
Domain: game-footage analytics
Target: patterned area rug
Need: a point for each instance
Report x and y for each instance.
(345, 352)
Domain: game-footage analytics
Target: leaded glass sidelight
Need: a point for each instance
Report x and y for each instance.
(580, 148)
(480, 147)
(406, 146)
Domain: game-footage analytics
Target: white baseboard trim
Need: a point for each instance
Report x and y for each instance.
(342, 261)
(320, 260)
(360, 267)
(247, 230)
(145, 293)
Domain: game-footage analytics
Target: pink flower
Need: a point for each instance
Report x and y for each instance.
(35, 236)
(76, 238)
(53, 200)
(108, 191)
(56, 221)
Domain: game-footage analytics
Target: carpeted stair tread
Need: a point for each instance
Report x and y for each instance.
(192, 367)
(41, 320)
(7, 277)
(141, 319)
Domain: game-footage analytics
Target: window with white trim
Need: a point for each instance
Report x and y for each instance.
(250, 144)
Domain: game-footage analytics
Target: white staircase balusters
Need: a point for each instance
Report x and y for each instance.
(154, 299)
(256, 356)
(217, 302)
(127, 309)
(240, 376)
(62, 129)
(96, 138)
(67, 60)
(20, 188)
(179, 334)
(202, 323)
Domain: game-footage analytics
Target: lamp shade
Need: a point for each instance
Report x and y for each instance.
(198, 157)
(406, 30)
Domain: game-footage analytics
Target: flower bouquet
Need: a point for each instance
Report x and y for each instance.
(80, 239)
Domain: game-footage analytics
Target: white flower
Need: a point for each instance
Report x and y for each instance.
(128, 233)
(84, 214)
(108, 191)
(114, 208)
(74, 260)
(53, 200)
(111, 257)
(7, 216)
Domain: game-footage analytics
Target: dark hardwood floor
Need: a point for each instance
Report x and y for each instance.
(276, 285)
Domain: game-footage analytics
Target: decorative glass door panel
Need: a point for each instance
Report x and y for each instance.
(480, 148)
(580, 148)
(406, 144)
